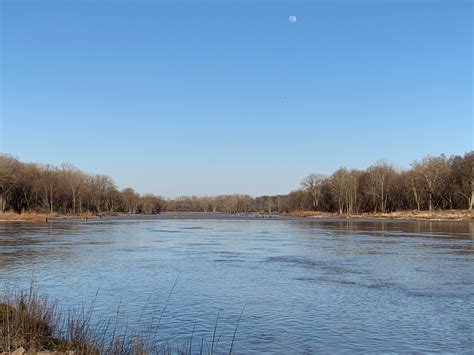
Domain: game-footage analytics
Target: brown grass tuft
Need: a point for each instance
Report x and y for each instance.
(34, 323)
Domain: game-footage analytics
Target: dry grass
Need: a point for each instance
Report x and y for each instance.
(448, 215)
(33, 322)
(41, 217)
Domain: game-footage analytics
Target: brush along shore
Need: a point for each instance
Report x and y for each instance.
(447, 215)
(440, 215)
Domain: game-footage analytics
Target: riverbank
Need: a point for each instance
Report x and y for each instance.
(43, 217)
(449, 215)
(32, 324)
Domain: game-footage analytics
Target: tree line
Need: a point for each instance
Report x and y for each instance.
(434, 182)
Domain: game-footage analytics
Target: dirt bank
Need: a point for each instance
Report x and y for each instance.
(451, 215)
(41, 217)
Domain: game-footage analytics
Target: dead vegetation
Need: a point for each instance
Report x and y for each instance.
(446, 215)
(33, 322)
(41, 217)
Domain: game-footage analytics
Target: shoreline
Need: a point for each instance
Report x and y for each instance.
(42, 217)
(439, 216)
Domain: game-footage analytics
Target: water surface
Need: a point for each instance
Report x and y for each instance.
(306, 285)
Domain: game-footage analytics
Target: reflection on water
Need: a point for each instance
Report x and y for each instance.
(308, 285)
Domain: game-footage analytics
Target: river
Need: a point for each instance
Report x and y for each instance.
(297, 285)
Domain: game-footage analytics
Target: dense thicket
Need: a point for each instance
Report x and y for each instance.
(431, 183)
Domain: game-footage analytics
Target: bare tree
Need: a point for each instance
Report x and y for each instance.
(131, 199)
(74, 179)
(339, 185)
(379, 175)
(312, 185)
(432, 171)
(462, 177)
(150, 203)
(49, 182)
(434, 182)
(8, 179)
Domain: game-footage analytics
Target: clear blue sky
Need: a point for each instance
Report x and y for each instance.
(208, 97)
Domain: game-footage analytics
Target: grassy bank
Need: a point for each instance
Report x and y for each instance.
(32, 322)
(448, 215)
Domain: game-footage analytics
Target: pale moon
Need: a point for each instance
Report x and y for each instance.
(292, 19)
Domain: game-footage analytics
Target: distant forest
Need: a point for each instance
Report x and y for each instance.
(435, 182)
